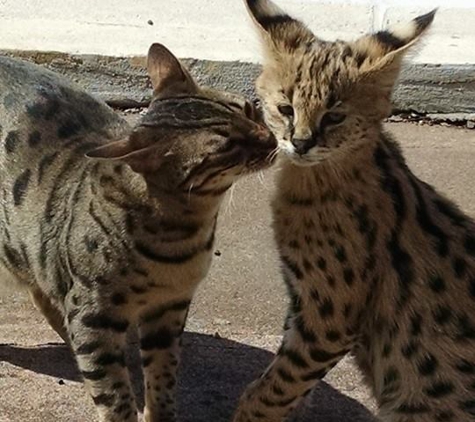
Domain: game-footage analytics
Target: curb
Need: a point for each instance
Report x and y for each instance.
(122, 82)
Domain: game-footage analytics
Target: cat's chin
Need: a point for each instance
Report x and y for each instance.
(304, 160)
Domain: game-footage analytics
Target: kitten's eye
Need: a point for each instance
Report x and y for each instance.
(286, 110)
(332, 118)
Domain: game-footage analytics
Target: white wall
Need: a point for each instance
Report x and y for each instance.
(219, 29)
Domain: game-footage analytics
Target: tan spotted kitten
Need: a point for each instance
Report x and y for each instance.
(376, 262)
(124, 235)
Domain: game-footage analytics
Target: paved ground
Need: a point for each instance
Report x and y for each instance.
(243, 300)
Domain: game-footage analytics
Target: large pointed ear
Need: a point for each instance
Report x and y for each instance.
(382, 53)
(279, 31)
(142, 159)
(167, 74)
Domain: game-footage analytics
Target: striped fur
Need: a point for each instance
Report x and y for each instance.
(109, 227)
(376, 262)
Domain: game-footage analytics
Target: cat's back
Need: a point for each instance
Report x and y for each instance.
(41, 111)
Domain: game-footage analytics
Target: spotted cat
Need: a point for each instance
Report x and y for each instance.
(376, 262)
(107, 227)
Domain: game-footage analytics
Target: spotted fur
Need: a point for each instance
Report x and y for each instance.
(376, 262)
(109, 227)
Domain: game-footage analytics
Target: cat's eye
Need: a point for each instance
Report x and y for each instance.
(286, 110)
(332, 118)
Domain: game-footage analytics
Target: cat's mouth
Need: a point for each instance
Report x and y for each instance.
(313, 156)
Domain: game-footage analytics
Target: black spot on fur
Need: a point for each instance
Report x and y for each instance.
(320, 355)
(46, 162)
(416, 324)
(460, 267)
(326, 309)
(466, 367)
(94, 375)
(469, 244)
(321, 263)
(294, 357)
(428, 365)
(106, 359)
(285, 376)
(20, 187)
(118, 299)
(349, 276)
(468, 407)
(293, 267)
(445, 416)
(160, 339)
(306, 334)
(333, 336)
(34, 139)
(104, 322)
(466, 329)
(106, 400)
(410, 349)
(340, 253)
(442, 314)
(437, 284)
(11, 141)
(68, 129)
(439, 389)
(88, 348)
(412, 408)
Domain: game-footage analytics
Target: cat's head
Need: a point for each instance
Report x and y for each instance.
(321, 99)
(192, 138)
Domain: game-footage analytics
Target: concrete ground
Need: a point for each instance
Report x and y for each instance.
(235, 323)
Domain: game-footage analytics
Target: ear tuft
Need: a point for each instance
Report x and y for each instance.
(404, 35)
(279, 30)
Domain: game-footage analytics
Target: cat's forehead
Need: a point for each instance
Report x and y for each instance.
(320, 73)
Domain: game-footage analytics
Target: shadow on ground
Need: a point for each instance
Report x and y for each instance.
(213, 374)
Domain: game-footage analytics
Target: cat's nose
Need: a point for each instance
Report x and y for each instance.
(302, 145)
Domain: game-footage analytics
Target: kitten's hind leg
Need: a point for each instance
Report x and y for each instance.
(52, 314)
(98, 339)
(160, 344)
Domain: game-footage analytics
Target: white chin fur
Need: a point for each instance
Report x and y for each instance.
(307, 160)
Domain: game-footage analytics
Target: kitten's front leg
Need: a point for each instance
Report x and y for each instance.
(98, 338)
(302, 360)
(160, 344)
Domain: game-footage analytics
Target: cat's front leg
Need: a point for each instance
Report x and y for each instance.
(303, 359)
(98, 338)
(160, 344)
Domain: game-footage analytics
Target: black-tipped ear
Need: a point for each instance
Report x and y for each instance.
(384, 51)
(277, 27)
(167, 73)
(395, 39)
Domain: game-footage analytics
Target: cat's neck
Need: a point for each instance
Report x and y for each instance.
(120, 187)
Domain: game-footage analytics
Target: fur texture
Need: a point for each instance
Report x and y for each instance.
(376, 262)
(123, 235)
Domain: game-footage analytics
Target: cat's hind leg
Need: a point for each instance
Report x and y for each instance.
(52, 314)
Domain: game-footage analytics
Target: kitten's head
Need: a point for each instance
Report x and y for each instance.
(321, 99)
(192, 139)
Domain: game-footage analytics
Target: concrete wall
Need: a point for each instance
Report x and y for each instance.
(218, 29)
